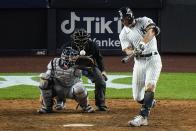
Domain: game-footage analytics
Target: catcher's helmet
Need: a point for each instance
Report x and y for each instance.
(80, 38)
(67, 56)
(126, 12)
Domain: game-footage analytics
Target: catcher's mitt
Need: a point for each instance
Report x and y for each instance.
(84, 62)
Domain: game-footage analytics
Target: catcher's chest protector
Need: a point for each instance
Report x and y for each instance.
(65, 77)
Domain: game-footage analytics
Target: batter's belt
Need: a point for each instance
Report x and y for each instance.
(147, 55)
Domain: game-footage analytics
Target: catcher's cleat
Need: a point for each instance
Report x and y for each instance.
(43, 110)
(88, 109)
(102, 108)
(138, 121)
(60, 106)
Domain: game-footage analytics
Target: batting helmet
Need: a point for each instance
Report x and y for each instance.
(80, 38)
(126, 12)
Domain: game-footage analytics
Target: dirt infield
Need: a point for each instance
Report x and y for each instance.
(171, 63)
(19, 115)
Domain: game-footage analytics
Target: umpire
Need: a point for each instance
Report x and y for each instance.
(80, 41)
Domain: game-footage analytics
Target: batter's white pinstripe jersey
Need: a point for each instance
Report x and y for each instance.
(131, 36)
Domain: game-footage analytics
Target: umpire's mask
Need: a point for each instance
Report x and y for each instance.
(68, 57)
(80, 38)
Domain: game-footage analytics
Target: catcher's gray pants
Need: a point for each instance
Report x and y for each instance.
(77, 92)
(100, 86)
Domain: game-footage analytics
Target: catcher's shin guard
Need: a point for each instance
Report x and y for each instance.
(46, 99)
(80, 95)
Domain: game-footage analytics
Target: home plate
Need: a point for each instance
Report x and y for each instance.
(77, 125)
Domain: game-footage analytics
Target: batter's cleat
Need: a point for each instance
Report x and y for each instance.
(138, 121)
(43, 110)
(88, 109)
(102, 108)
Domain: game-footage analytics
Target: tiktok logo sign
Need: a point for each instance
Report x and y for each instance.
(101, 25)
(74, 19)
(104, 28)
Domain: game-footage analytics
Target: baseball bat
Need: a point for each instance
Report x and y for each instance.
(126, 59)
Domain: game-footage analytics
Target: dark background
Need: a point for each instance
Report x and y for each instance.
(32, 27)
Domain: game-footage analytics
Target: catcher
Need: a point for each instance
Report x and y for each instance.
(62, 80)
(80, 41)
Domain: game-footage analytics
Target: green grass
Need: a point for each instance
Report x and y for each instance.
(177, 86)
(2, 79)
(126, 80)
(32, 92)
(35, 78)
(18, 74)
(85, 80)
(19, 92)
(170, 86)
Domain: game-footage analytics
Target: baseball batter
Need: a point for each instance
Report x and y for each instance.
(62, 80)
(138, 38)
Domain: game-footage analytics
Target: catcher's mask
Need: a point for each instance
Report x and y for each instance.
(126, 13)
(80, 38)
(68, 56)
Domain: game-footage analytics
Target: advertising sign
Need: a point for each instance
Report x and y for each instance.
(103, 26)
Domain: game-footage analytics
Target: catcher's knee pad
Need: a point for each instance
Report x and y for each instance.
(79, 92)
(44, 84)
(81, 96)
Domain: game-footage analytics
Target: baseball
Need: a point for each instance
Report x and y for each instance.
(82, 52)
